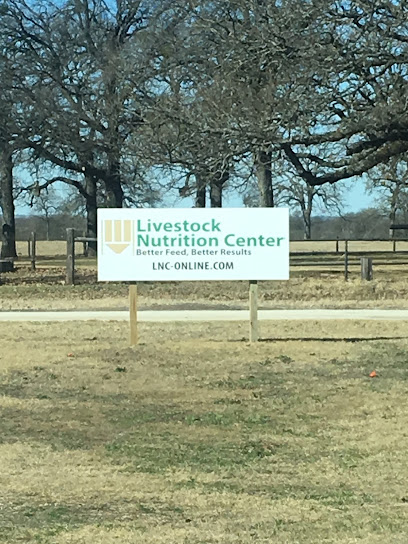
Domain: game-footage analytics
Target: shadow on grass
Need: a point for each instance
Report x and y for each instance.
(45, 521)
(349, 339)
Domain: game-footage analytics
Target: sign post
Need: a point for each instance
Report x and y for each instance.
(253, 311)
(133, 336)
(194, 244)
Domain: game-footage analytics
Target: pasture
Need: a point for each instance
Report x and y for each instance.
(195, 436)
(57, 248)
(318, 283)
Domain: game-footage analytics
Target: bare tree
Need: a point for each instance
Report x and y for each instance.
(324, 82)
(306, 198)
(10, 140)
(390, 183)
(195, 88)
(8, 247)
(47, 204)
(84, 61)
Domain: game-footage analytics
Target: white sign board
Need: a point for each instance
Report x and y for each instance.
(193, 244)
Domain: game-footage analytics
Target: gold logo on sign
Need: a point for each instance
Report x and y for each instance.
(118, 234)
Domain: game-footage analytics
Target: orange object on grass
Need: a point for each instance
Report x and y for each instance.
(373, 374)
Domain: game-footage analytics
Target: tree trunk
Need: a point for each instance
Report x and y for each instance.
(307, 213)
(307, 226)
(90, 195)
(393, 208)
(263, 167)
(113, 186)
(8, 247)
(216, 187)
(91, 213)
(216, 194)
(200, 192)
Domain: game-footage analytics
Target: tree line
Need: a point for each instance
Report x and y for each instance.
(123, 101)
(370, 223)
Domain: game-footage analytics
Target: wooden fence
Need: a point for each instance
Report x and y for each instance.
(341, 256)
(71, 239)
(330, 256)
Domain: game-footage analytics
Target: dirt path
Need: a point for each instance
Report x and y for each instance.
(205, 315)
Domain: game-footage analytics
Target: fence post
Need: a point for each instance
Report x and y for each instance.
(70, 275)
(29, 247)
(366, 268)
(394, 245)
(346, 259)
(337, 245)
(33, 249)
(85, 246)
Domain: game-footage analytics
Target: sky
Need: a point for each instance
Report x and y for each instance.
(355, 199)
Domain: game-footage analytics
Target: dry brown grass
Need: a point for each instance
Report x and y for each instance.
(53, 248)
(58, 248)
(38, 291)
(309, 287)
(195, 436)
(353, 245)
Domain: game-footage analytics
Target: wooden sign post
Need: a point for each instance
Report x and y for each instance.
(253, 311)
(133, 337)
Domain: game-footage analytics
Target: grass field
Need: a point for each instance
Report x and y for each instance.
(196, 437)
(46, 290)
(309, 286)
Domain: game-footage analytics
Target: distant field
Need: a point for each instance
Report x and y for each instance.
(58, 248)
(47, 249)
(196, 437)
(357, 245)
